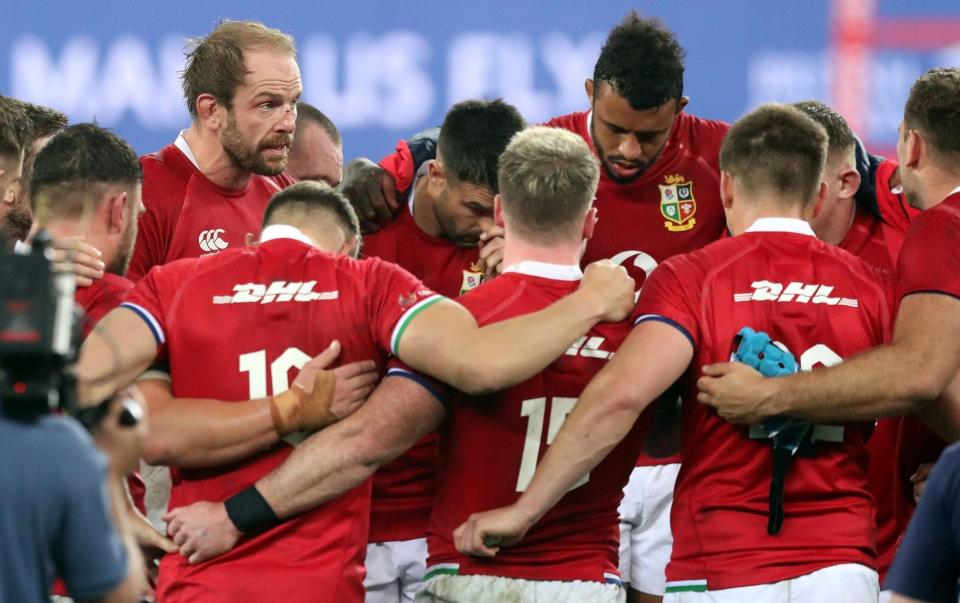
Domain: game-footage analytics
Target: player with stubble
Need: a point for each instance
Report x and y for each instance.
(208, 189)
(303, 291)
(729, 545)
(547, 178)
(658, 196)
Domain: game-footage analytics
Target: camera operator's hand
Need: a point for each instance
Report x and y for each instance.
(123, 444)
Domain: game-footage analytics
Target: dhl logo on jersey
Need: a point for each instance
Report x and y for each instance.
(277, 291)
(800, 293)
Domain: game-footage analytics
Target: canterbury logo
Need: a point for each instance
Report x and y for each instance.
(800, 293)
(210, 240)
(277, 291)
(589, 347)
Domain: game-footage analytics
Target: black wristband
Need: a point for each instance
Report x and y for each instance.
(250, 512)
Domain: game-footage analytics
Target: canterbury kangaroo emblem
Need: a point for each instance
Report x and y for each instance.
(210, 240)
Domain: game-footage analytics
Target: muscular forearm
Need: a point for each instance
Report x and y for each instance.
(502, 354)
(342, 456)
(885, 381)
(188, 432)
(601, 419)
(319, 470)
(118, 350)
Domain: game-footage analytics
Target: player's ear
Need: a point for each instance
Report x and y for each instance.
(589, 223)
(435, 173)
(351, 247)
(916, 148)
(821, 199)
(498, 210)
(588, 88)
(682, 102)
(117, 210)
(726, 189)
(849, 183)
(208, 111)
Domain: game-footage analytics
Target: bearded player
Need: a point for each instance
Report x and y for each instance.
(208, 189)
(448, 205)
(301, 295)
(819, 301)
(547, 178)
(658, 196)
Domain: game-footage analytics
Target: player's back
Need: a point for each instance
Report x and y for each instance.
(237, 326)
(490, 446)
(824, 305)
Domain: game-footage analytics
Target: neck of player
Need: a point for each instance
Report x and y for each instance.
(213, 160)
(741, 218)
(516, 249)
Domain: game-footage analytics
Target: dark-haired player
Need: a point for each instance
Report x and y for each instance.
(301, 293)
(870, 220)
(822, 303)
(449, 203)
(43, 122)
(547, 180)
(658, 196)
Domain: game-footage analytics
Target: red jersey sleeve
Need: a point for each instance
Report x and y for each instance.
(394, 297)
(664, 298)
(150, 246)
(438, 389)
(930, 258)
(162, 194)
(399, 164)
(150, 300)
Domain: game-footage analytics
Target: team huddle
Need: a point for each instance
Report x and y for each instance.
(496, 365)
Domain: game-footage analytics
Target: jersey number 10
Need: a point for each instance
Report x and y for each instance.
(255, 363)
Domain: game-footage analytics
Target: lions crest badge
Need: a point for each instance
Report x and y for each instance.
(677, 203)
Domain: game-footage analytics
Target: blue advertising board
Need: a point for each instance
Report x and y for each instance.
(383, 70)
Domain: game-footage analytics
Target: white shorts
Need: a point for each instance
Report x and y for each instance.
(645, 537)
(395, 570)
(846, 583)
(446, 588)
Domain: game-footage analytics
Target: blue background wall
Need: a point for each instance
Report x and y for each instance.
(384, 70)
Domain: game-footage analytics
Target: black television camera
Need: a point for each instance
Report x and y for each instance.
(39, 334)
(39, 338)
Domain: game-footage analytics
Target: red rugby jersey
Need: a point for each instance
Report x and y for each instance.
(930, 258)
(403, 490)
(824, 305)
(898, 444)
(188, 216)
(299, 299)
(674, 207)
(103, 295)
(490, 447)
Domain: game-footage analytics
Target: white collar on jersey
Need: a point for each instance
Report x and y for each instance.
(782, 225)
(181, 143)
(557, 272)
(22, 248)
(953, 192)
(285, 231)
